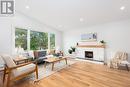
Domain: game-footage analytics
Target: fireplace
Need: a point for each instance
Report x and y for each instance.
(89, 54)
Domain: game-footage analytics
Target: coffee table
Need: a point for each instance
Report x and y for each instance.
(53, 60)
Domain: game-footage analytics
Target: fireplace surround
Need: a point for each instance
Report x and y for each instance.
(91, 52)
(88, 54)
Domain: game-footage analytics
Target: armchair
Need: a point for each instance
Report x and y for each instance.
(118, 58)
(16, 72)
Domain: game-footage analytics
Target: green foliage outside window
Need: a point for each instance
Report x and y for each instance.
(52, 41)
(38, 40)
(21, 38)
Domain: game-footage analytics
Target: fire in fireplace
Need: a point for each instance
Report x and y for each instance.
(89, 54)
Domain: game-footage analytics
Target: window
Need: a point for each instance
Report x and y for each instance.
(21, 38)
(52, 41)
(33, 40)
(38, 40)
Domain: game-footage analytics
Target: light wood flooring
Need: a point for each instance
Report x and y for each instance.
(82, 74)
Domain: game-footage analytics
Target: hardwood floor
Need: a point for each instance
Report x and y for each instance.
(82, 74)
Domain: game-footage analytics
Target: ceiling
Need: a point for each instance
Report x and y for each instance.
(74, 14)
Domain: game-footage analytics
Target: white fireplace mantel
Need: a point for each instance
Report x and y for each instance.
(98, 51)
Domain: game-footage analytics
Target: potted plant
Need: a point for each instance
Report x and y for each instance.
(102, 42)
(70, 51)
(73, 49)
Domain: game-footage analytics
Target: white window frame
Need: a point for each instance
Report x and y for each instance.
(28, 38)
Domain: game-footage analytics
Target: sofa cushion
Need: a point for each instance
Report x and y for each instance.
(49, 56)
(28, 54)
(31, 53)
(42, 53)
(42, 58)
(25, 54)
(8, 60)
(25, 69)
(38, 54)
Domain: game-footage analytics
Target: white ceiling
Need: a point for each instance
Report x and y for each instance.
(66, 14)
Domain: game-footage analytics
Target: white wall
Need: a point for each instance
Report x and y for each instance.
(116, 34)
(7, 33)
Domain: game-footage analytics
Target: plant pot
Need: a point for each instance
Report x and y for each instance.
(70, 51)
(73, 50)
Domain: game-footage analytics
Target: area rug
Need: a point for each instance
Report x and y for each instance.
(45, 72)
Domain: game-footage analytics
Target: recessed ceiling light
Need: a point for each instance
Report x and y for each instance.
(27, 7)
(122, 7)
(81, 19)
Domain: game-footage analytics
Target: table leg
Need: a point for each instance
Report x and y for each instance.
(66, 61)
(52, 66)
(45, 64)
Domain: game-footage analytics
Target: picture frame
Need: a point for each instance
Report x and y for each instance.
(89, 37)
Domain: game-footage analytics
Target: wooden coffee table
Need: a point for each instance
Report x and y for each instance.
(54, 60)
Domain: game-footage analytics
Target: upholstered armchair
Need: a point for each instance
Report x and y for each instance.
(118, 58)
(16, 72)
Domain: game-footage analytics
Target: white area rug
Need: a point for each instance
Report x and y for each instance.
(44, 72)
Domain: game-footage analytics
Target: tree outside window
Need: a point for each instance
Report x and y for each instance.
(52, 41)
(38, 40)
(21, 38)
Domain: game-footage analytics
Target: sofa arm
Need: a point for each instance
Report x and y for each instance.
(24, 64)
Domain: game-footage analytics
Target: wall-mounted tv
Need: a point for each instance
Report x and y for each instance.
(89, 37)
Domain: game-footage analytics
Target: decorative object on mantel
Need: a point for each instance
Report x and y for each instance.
(92, 46)
(73, 49)
(102, 42)
(70, 51)
(89, 37)
(77, 44)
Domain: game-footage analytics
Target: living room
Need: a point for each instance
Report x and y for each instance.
(65, 43)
